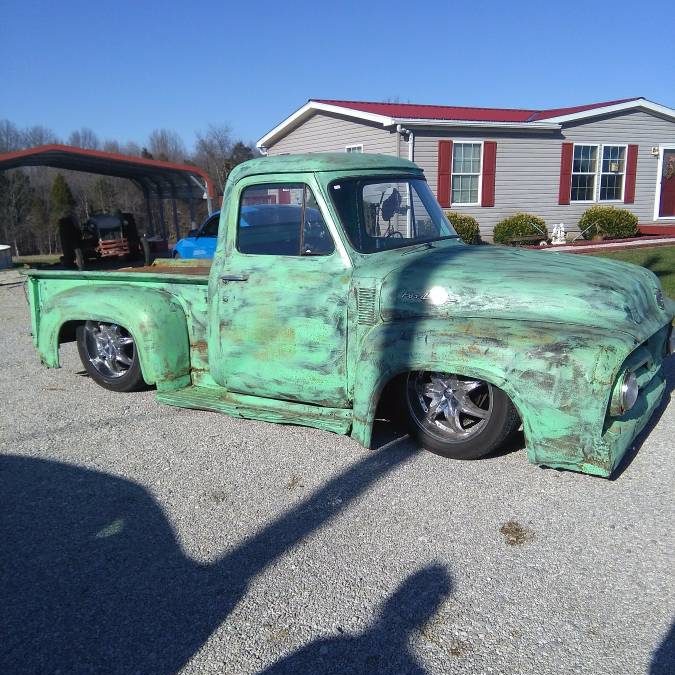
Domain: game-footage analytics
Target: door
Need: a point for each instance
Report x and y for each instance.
(667, 186)
(281, 301)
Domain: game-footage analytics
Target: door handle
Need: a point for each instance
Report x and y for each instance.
(233, 277)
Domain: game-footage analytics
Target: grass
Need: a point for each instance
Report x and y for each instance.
(658, 259)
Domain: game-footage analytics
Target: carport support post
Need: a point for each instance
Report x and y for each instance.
(175, 217)
(148, 210)
(191, 203)
(162, 221)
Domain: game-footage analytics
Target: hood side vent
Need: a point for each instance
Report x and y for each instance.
(365, 301)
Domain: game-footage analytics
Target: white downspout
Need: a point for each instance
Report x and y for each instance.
(411, 156)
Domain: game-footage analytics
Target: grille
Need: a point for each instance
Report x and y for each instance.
(365, 300)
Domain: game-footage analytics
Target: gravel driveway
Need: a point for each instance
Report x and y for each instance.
(140, 538)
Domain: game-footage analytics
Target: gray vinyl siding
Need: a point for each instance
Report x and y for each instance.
(528, 162)
(331, 133)
(528, 166)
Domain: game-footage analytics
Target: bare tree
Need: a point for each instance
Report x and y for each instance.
(15, 205)
(84, 138)
(10, 137)
(212, 152)
(131, 148)
(38, 135)
(166, 145)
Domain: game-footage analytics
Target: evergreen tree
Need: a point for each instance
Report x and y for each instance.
(62, 200)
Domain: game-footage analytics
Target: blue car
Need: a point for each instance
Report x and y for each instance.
(200, 243)
(267, 222)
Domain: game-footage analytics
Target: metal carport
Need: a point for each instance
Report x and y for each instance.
(156, 179)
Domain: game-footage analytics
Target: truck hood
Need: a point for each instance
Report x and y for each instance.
(506, 283)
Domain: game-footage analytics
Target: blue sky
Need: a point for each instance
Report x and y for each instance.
(124, 68)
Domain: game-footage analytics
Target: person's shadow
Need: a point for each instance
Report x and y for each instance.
(93, 579)
(383, 648)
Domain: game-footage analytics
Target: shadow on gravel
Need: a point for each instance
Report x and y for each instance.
(663, 659)
(94, 580)
(383, 648)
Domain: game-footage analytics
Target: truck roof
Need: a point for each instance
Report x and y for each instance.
(324, 161)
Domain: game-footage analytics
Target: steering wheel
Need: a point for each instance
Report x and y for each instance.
(392, 234)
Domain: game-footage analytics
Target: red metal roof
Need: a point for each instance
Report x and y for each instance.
(158, 178)
(464, 113)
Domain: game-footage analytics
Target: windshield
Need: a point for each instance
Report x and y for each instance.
(384, 213)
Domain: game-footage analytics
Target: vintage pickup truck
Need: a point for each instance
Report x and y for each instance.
(358, 297)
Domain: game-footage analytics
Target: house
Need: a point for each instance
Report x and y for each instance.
(493, 162)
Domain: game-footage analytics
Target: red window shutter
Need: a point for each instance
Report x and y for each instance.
(566, 173)
(284, 196)
(443, 193)
(631, 172)
(489, 170)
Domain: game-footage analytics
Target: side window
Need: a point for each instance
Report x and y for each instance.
(211, 227)
(282, 219)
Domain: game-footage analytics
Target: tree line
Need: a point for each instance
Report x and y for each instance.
(32, 199)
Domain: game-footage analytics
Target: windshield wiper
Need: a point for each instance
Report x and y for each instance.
(417, 247)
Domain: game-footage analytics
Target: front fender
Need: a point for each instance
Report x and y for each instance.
(154, 318)
(560, 382)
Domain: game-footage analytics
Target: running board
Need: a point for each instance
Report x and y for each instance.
(338, 420)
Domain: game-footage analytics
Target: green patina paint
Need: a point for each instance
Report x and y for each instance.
(314, 340)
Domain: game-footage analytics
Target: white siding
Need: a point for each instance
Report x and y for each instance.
(331, 133)
(528, 166)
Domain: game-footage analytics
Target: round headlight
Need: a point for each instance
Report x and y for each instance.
(625, 394)
(629, 392)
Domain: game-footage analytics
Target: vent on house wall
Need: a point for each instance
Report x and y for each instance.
(365, 301)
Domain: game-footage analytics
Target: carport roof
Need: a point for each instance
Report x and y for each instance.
(156, 178)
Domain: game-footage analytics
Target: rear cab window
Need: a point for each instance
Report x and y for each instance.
(282, 219)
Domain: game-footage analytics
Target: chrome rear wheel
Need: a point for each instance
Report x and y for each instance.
(108, 352)
(110, 348)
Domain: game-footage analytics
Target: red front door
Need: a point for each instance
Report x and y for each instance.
(667, 199)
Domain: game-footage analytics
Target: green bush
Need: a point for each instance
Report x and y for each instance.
(519, 227)
(466, 226)
(609, 222)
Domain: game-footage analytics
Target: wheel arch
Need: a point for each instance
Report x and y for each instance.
(420, 351)
(153, 317)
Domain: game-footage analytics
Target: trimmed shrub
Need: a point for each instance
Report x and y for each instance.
(608, 222)
(521, 227)
(466, 226)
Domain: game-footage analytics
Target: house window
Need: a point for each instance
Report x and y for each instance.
(466, 159)
(586, 168)
(612, 172)
(354, 148)
(584, 171)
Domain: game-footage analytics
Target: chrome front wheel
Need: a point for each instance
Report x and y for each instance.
(457, 416)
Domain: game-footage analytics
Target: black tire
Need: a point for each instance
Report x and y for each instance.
(480, 438)
(125, 373)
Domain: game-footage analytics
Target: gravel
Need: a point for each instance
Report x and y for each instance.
(140, 538)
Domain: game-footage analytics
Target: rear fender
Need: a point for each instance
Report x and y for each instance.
(154, 318)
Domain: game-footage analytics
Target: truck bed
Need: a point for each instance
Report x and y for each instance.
(180, 271)
(199, 268)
